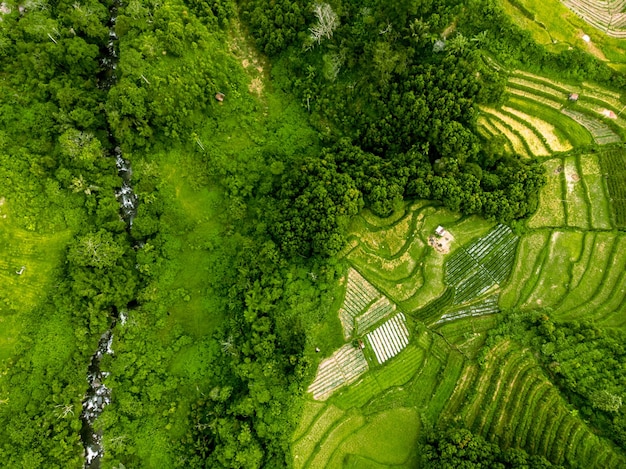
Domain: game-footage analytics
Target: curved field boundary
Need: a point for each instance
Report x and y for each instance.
(544, 130)
(611, 280)
(596, 268)
(303, 447)
(601, 132)
(332, 439)
(564, 127)
(516, 142)
(552, 284)
(534, 142)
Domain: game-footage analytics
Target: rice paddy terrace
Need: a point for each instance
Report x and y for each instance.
(424, 286)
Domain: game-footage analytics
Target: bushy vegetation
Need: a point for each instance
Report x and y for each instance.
(252, 174)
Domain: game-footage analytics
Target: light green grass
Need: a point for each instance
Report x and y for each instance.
(553, 282)
(41, 254)
(551, 212)
(333, 439)
(593, 182)
(576, 204)
(529, 251)
(304, 447)
(388, 439)
(553, 21)
(565, 128)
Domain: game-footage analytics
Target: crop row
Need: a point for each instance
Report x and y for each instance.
(484, 263)
(488, 306)
(613, 165)
(359, 294)
(606, 16)
(590, 106)
(389, 339)
(601, 132)
(510, 400)
(340, 369)
(376, 312)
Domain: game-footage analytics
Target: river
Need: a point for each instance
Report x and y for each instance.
(98, 396)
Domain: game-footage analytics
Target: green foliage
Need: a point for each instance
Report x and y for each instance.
(584, 360)
(461, 448)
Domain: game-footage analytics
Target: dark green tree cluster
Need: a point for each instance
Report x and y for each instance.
(394, 91)
(58, 175)
(460, 448)
(585, 361)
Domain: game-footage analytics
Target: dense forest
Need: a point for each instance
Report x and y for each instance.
(382, 107)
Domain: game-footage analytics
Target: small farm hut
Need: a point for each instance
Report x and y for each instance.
(573, 97)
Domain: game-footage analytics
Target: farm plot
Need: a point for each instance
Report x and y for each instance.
(487, 306)
(515, 141)
(594, 183)
(375, 313)
(551, 210)
(607, 16)
(567, 132)
(359, 295)
(481, 265)
(613, 164)
(576, 203)
(533, 144)
(389, 339)
(601, 132)
(545, 130)
(341, 368)
(515, 404)
(552, 283)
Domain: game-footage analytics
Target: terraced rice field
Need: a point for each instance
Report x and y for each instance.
(512, 401)
(429, 357)
(538, 119)
(607, 16)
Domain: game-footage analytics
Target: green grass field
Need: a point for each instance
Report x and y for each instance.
(41, 255)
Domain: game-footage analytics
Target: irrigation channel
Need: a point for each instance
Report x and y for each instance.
(98, 395)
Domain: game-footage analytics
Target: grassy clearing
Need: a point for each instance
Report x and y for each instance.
(388, 439)
(563, 251)
(594, 185)
(41, 255)
(551, 210)
(527, 264)
(577, 211)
